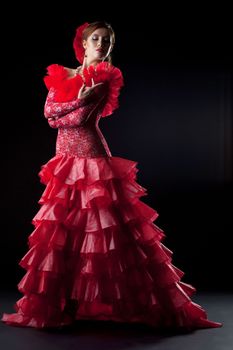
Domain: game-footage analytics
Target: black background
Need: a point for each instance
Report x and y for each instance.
(175, 120)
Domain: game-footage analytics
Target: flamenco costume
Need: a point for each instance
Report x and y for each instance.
(95, 252)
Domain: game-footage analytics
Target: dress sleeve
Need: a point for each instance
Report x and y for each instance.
(77, 117)
(54, 109)
(74, 118)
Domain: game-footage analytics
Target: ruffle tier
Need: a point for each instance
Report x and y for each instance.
(96, 253)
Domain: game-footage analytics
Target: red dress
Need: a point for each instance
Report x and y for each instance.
(95, 252)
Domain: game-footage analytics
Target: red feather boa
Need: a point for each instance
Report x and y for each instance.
(67, 88)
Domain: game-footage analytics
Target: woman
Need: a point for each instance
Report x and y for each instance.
(95, 252)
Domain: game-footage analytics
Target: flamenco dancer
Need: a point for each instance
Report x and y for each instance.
(95, 251)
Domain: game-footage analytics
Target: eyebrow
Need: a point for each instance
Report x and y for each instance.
(105, 36)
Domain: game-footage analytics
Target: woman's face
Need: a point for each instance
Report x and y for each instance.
(97, 46)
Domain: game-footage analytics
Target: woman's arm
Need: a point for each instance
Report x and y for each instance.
(74, 118)
(94, 99)
(54, 109)
(86, 96)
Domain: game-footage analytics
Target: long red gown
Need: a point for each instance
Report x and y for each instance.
(95, 252)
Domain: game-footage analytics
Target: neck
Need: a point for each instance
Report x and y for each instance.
(92, 62)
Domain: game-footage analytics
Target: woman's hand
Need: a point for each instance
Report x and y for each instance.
(86, 91)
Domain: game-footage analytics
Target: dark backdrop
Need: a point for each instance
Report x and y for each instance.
(175, 120)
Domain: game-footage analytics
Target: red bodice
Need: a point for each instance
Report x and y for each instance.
(77, 119)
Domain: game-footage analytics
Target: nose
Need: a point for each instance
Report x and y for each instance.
(100, 42)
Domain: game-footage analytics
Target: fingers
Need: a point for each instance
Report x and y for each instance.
(83, 86)
(85, 91)
(81, 90)
(93, 83)
(98, 84)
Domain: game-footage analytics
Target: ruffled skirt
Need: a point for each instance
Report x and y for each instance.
(96, 253)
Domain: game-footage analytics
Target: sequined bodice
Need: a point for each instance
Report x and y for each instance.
(77, 123)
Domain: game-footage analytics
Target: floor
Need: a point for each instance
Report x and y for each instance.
(109, 335)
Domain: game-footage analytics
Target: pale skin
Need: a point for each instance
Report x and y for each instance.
(97, 47)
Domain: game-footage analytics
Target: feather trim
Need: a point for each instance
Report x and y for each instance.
(66, 89)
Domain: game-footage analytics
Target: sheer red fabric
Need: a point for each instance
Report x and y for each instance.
(95, 251)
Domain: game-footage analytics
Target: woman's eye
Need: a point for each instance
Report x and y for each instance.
(95, 38)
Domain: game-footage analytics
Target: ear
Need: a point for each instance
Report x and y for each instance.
(84, 44)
